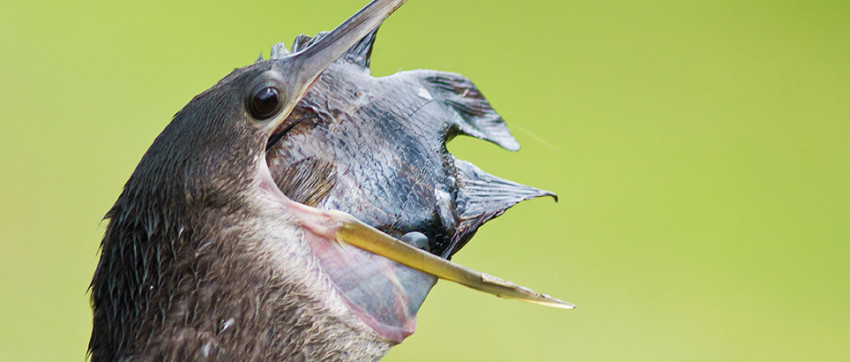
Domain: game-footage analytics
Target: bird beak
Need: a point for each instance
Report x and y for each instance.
(304, 67)
(356, 233)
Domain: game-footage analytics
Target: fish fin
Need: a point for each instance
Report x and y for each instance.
(303, 41)
(360, 53)
(477, 118)
(482, 197)
(307, 181)
(278, 51)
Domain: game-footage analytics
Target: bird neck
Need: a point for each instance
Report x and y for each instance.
(214, 285)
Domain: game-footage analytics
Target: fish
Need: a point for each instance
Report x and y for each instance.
(375, 148)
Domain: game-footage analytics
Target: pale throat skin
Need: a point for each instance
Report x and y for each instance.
(263, 296)
(274, 301)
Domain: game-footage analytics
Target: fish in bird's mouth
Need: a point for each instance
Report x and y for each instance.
(375, 148)
(298, 206)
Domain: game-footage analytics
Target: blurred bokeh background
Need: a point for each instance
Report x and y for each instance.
(700, 151)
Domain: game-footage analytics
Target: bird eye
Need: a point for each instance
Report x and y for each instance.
(265, 103)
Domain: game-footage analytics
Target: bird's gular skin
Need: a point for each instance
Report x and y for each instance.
(223, 244)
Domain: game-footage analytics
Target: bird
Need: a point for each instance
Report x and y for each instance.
(225, 243)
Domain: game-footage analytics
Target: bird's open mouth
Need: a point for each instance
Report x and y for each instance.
(384, 294)
(419, 185)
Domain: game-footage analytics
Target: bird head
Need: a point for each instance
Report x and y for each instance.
(231, 123)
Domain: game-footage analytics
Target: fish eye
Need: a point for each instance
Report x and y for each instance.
(265, 102)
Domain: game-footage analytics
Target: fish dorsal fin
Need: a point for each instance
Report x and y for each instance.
(302, 41)
(359, 54)
(477, 118)
(278, 51)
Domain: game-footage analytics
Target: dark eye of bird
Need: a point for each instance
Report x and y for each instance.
(265, 103)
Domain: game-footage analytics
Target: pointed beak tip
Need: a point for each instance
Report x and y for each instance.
(317, 57)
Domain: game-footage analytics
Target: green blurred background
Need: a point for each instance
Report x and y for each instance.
(700, 151)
